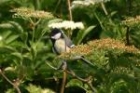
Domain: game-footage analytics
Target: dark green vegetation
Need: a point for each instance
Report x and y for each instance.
(27, 61)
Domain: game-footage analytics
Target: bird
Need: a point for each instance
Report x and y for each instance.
(62, 43)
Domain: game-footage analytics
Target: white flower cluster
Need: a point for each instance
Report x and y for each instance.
(28, 13)
(67, 25)
(77, 3)
(85, 3)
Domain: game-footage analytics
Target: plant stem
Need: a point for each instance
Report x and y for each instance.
(89, 83)
(100, 22)
(38, 4)
(88, 80)
(13, 84)
(129, 6)
(127, 36)
(75, 76)
(64, 67)
(63, 82)
(69, 9)
(59, 1)
(70, 16)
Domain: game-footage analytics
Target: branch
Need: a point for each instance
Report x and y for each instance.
(55, 68)
(87, 80)
(63, 82)
(89, 83)
(15, 85)
(51, 66)
(66, 71)
(64, 67)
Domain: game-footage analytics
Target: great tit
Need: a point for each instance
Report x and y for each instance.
(61, 43)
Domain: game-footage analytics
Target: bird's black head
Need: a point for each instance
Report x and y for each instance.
(56, 34)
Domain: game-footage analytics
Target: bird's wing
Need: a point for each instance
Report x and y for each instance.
(68, 41)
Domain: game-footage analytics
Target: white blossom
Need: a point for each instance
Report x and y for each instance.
(77, 3)
(67, 25)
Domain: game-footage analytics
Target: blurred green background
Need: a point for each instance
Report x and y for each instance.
(25, 49)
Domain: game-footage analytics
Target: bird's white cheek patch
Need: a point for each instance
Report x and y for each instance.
(57, 36)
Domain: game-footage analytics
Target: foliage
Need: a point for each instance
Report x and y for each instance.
(109, 39)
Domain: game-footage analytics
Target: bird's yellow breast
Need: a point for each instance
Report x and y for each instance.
(60, 46)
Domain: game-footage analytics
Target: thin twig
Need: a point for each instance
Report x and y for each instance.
(69, 9)
(58, 68)
(88, 80)
(8, 80)
(64, 67)
(51, 66)
(75, 76)
(89, 83)
(66, 71)
(70, 16)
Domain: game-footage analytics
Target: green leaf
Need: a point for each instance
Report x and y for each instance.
(75, 82)
(113, 13)
(17, 26)
(17, 55)
(7, 49)
(10, 90)
(11, 38)
(6, 34)
(82, 34)
(33, 88)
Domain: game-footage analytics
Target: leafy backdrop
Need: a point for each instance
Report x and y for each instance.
(110, 40)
